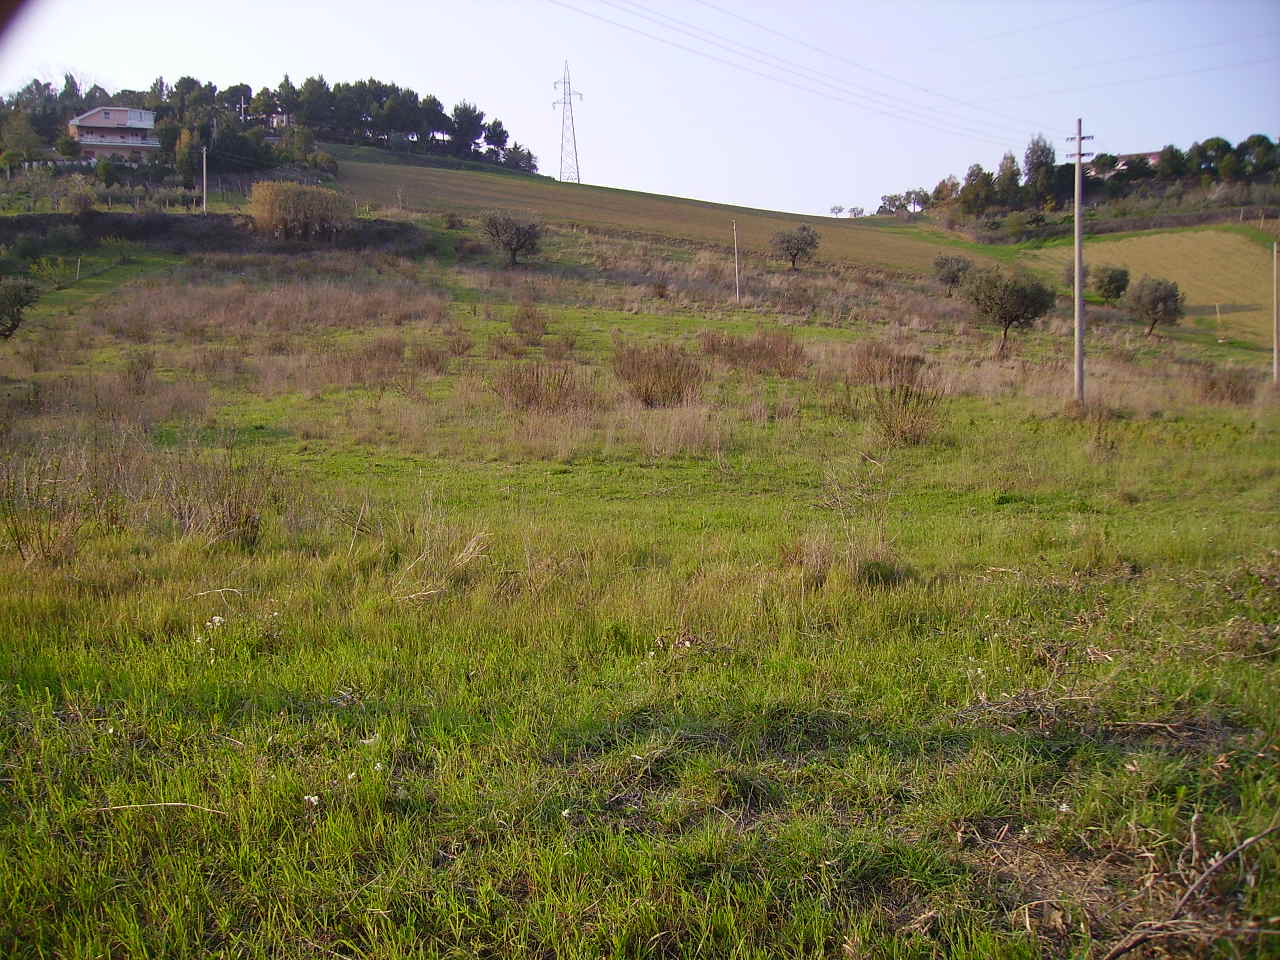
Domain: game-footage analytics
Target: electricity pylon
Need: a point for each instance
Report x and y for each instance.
(568, 138)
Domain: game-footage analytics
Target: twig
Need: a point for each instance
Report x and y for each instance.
(1217, 864)
(167, 803)
(1175, 926)
(205, 593)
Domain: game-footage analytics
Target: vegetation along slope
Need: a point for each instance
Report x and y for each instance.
(363, 596)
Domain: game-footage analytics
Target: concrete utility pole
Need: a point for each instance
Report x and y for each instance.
(737, 283)
(1079, 155)
(204, 176)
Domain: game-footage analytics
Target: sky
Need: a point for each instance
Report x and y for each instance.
(792, 107)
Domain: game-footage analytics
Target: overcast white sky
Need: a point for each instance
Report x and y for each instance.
(787, 106)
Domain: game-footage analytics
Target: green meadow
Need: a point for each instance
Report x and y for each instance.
(386, 604)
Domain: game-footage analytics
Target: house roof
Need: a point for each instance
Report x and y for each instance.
(107, 106)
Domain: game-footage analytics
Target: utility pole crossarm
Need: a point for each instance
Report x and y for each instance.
(1078, 271)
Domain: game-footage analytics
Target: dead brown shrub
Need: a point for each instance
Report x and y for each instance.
(660, 374)
(529, 323)
(545, 386)
(560, 348)
(506, 344)
(459, 342)
(1215, 384)
(777, 351)
(431, 359)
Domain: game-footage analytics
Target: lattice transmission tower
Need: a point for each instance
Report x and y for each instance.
(568, 137)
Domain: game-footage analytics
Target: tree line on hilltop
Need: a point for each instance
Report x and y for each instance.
(234, 123)
(1041, 184)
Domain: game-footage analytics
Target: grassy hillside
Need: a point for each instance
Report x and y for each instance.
(881, 243)
(360, 605)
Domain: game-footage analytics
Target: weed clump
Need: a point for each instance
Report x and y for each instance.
(544, 386)
(777, 352)
(660, 374)
(1232, 385)
(529, 324)
(560, 348)
(904, 408)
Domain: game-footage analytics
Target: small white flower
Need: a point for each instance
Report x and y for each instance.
(311, 801)
(378, 766)
(1064, 808)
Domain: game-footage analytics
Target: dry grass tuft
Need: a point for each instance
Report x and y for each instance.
(686, 428)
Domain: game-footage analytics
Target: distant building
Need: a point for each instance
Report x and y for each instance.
(1124, 159)
(106, 132)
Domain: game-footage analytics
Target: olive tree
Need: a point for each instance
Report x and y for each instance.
(796, 245)
(1011, 300)
(1154, 300)
(513, 234)
(16, 294)
(949, 270)
(1111, 282)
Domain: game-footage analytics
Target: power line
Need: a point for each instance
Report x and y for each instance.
(1047, 23)
(776, 79)
(1115, 60)
(861, 66)
(840, 85)
(1135, 80)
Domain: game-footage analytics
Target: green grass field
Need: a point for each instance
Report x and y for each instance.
(355, 605)
(1225, 275)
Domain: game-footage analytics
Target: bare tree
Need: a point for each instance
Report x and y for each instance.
(513, 234)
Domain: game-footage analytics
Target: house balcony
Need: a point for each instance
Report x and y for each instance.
(124, 143)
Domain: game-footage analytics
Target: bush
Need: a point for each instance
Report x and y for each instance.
(1226, 384)
(1111, 283)
(511, 233)
(659, 375)
(904, 409)
(297, 212)
(529, 324)
(1154, 300)
(16, 294)
(1011, 300)
(544, 386)
(950, 270)
(775, 352)
(560, 348)
(323, 162)
(1069, 275)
